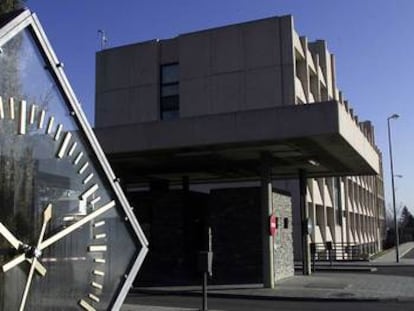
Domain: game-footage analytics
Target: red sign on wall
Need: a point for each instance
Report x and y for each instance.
(272, 225)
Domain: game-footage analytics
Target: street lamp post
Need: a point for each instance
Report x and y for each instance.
(397, 252)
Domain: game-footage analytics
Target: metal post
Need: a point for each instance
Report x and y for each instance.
(313, 262)
(397, 251)
(313, 254)
(207, 270)
(205, 277)
(266, 211)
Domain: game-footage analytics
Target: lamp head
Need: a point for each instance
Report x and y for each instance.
(394, 116)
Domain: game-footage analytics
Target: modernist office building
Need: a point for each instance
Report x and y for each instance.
(252, 104)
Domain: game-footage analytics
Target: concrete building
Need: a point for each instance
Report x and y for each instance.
(252, 104)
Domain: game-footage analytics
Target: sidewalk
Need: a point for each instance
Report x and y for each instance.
(389, 255)
(333, 285)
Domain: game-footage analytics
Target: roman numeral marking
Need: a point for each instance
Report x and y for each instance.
(72, 148)
(88, 178)
(99, 260)
(41, 119)
(100, 236)
(99, 223)
(64, 145)
(93, 297)
(97, 285)
(89, 192)
(98, 248)
(86, 306)
(22, 123)
(83, 168)
(96, 200)
(50, 125)
(1, 108)
(32, 114)
(98, 273)
(11, 106)
(58, 132)
(78, 158)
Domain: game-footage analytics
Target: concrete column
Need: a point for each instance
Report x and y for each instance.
(304, 215)
(266, 211)
(333, 77)
(312, 210)
(347, 209)
(305, 73)
(317, 91)
(340, 210)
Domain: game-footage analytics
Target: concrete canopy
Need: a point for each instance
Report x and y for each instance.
(323, 138)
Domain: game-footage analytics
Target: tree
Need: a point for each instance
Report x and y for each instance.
(406, 218)
(406, 225)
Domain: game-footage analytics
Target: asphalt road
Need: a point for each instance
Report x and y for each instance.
(410, 254)
(401, 271)
(232, 304)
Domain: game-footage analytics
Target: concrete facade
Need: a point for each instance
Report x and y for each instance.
(223, 70)
(244, 90)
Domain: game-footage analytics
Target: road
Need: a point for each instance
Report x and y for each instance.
(402, 270)
(410, 254)
(232, 304)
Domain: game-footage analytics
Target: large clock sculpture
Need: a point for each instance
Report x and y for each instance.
(68, 238)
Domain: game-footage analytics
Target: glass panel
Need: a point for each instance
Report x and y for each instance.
(169, 90)
(170, 115)
(45, 159)
(169, 103)
(170, 73)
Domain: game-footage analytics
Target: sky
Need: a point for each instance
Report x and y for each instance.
(372, 41)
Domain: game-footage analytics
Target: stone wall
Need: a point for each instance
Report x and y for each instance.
(235, 218)
(283, 240)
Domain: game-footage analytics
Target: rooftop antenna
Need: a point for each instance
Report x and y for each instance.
(104, 38)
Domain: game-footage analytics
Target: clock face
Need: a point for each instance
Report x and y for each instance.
(67, 241)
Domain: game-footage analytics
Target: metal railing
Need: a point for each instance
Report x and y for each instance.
(340, 251)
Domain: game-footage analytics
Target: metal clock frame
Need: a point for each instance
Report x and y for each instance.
(27, 19)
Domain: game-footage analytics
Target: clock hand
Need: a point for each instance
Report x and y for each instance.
(61, 234)
(46, 243)
(47, 215)
(17, 244)
(38, 266)
(14, 262)
(27, 287)
(9, 236)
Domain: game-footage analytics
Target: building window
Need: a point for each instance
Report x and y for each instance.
(169, 92)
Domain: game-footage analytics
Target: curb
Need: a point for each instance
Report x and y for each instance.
(264, 297)
(133, 307)
(341, 269)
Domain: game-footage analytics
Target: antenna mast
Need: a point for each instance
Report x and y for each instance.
(104, 38)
